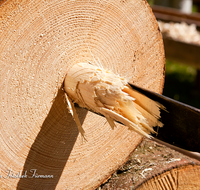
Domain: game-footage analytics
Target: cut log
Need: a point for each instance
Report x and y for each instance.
(39, 42)
(183, 177)
(153, 166)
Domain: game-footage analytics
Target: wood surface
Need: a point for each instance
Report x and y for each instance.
(39, 41)
(180, 177)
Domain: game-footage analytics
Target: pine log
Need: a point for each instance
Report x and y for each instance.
(181, 177)
(153, 166)
(39, 42)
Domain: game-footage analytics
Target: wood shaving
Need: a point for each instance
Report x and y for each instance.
(180, 31)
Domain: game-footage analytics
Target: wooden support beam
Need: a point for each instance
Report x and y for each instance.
(173, 15)
(182, 52)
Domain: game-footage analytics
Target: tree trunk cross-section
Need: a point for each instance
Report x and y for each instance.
(39, 42)
(180, 178)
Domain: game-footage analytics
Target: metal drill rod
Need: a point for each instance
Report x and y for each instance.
(181, 121)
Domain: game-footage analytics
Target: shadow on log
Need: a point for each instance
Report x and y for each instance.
(50, 151)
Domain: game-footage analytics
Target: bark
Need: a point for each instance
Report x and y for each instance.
(155, 166)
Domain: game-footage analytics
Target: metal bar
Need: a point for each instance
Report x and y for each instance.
(195, 155)
(181, 121)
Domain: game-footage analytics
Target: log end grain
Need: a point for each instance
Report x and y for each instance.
(40, 41)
